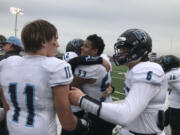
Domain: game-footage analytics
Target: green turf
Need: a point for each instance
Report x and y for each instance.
(118, 80)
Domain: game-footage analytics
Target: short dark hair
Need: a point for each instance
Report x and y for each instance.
(36, 32)
(97, 43)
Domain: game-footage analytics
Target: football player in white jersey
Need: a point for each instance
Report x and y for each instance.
(72, 56)
(145, 88)
(94, 80)
(36, 86)
(171, 66)
(72, 51)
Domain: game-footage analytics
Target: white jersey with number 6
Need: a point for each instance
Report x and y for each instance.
(145, 88)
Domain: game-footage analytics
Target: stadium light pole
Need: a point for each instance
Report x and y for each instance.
(16, 11)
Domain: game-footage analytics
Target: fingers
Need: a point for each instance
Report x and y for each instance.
(106, 65)
(74, 88)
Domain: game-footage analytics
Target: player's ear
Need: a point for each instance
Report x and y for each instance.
(95, 51)
(43, 43)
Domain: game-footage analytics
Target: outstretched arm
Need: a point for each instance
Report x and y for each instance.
(131, 108)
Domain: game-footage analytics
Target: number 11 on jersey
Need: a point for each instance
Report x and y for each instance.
(29, 97)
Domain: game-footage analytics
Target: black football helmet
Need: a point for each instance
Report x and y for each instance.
(168, 62)
(137, 42)
(75, 46)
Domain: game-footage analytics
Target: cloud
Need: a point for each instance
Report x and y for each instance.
(79, 18)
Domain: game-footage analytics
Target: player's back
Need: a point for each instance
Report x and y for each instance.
(97, 72)
(27, 82)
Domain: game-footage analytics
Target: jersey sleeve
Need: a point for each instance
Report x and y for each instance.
(133, 105)
(61, 74)
(151, 75)
(69, 55)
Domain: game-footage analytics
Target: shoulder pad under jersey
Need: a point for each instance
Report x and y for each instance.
(69, 55)
(148, 72)
(173, 75)
(60, 71)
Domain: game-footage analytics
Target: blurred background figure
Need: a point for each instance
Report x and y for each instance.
(3, 128)
(12, 46)
(2, 40)
(171, 66)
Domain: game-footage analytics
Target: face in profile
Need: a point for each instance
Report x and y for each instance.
(87, 49)
(51, 47)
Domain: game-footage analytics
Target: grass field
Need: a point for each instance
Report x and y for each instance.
(118, 81)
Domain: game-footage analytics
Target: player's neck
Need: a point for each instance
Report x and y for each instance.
(39, 52)
(132, 64)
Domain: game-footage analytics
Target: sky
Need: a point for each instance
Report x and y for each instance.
(106, 18)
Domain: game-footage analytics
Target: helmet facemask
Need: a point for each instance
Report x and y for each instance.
(138, 45)
(121, 57)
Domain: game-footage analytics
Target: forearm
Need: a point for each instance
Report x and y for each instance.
(120, 114)
(123, 113)
(84, 60)
(78, 81)
(62, 107)
(67, 119)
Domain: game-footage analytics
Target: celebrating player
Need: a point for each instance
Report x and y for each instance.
(145, 88)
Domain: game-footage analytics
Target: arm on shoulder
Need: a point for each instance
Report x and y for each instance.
(78, 81)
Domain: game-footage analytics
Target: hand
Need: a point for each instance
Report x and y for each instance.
(107, 92)
(106, 65)
(86, 125)
(74, 95)
(83, 127)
